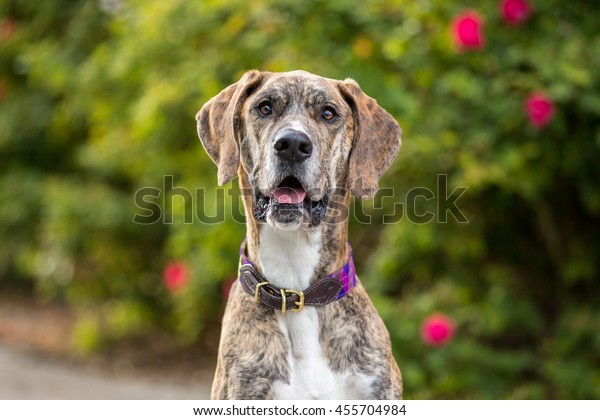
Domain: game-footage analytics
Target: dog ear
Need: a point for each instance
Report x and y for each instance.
(219, 122)
(377, 140)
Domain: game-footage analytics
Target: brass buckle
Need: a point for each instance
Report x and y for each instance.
(257, 289)
(299, 303)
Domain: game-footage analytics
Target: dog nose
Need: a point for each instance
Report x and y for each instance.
(293, 146)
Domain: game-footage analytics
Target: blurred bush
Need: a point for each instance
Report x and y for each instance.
(97, 101)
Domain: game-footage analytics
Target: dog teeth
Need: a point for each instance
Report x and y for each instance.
(316, 209)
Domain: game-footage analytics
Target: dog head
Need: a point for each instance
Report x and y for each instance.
(298, 138)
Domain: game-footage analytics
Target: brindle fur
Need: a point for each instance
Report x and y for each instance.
(353, 154)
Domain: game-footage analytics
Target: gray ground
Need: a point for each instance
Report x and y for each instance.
(30, 375)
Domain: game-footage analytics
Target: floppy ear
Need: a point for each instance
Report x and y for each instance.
(377, 140)
(219, 123)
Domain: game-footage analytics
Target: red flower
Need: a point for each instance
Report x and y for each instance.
(437, 330)
(467, 31)
(540, 109)
(175, 276)
(227, 284)
(515, 12)
(7, 28)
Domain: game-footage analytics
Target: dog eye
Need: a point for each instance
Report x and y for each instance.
(265, 108)
(328, 114)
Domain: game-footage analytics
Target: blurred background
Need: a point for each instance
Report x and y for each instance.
(98, 98)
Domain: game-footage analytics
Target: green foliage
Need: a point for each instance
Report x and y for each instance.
(97, 100)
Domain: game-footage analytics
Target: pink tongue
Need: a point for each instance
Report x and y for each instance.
(285, 195)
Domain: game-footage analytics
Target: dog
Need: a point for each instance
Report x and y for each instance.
(298, 324)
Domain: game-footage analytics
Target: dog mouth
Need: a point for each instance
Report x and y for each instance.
(289, 191)
(290, 202)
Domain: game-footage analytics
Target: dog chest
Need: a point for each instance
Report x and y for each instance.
(310, 376)
(289, 259)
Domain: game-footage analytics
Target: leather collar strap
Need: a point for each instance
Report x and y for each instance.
(326, 290)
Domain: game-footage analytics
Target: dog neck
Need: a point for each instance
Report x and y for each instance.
(294, 259)
(289, 258)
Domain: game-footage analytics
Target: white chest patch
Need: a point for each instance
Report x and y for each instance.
(289, 259)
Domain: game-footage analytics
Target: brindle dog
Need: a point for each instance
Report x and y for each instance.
(300, 144)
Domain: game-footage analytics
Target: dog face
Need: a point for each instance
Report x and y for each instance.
(300, 139)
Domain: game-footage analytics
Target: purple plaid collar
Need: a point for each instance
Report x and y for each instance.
(346, 275)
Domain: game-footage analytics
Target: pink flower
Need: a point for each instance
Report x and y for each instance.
(540, 109)
(515, 12)
(175, 276)
(437, 330)
(467, 31)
